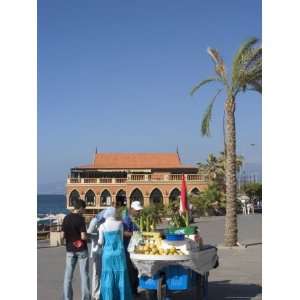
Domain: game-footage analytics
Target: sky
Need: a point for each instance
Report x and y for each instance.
(117, 74)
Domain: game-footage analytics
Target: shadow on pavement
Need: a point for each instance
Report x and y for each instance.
(253, 244)
(218, 290)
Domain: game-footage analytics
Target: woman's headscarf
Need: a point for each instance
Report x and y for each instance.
(109, 212)
(100, 216)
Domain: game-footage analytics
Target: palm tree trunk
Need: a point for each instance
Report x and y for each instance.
(231, 230)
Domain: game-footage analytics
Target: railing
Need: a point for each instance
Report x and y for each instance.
(137, 177)
(141, 178)
(156, 178)
(175, 177)
(121, 180)
(74, 180)
(90, 180)
(195, 177)
(105, 180)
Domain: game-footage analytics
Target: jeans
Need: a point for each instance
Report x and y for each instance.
(71, 261)
(96, 275)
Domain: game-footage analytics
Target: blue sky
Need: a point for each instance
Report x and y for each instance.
(117, 75)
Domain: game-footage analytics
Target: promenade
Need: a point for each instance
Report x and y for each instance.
(237, 277)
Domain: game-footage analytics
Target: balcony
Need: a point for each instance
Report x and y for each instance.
(141, 178)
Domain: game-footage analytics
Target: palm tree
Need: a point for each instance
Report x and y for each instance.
(206, 200)
(246, 75)
(239, 161)
(215, 167)
(212, 167)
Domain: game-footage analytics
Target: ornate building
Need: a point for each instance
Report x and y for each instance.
(124, 177)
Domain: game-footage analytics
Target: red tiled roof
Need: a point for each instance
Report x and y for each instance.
(136, 161)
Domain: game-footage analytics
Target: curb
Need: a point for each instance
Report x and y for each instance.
(239, 245)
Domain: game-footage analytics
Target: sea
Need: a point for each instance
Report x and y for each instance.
(51, 204)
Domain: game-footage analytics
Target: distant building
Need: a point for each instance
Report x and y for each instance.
(121, 178)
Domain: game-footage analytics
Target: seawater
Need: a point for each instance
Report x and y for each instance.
(51, 204)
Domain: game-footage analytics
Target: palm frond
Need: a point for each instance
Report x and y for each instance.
(214, 54)
(205, 124)
(251, 79)
(219, 63)
(255, 86)
(201, 83)
(241, 51)
(253, 55)
(249, 76)
(239, 58)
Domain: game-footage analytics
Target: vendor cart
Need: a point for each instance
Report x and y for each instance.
(165, 275)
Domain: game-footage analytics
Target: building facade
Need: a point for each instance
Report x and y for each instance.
(121, 178)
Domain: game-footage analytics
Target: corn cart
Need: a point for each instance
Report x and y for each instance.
(176, 264)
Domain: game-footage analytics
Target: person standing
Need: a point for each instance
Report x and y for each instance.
(74, 232)
(115, 284)
(252, 206)
(95, 253)
(258, 204)
(129, 227)
(243, 201)
(248, 208)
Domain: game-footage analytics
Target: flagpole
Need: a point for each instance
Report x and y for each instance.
(184, 210)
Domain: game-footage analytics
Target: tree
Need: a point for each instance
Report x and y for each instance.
(246, 75)
(215, 168)
(252, 190)
(208, 199)
(239, 161)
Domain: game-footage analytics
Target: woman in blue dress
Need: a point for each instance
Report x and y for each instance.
(114, 275)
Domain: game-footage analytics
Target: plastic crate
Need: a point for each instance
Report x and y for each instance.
(149, 283)
(183, 230)
(174, 237)
(178, 278)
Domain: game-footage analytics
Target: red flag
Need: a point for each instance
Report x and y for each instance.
(183, 196)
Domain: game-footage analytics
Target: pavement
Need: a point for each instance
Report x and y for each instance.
(238, 276)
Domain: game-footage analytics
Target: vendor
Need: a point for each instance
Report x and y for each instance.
(128, 227)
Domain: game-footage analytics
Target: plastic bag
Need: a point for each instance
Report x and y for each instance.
(134, 241)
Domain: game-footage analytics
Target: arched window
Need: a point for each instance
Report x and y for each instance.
(156, 196)
(74, 195)
(105, 198)
(90, 198)
(195, 192)
(137, 195)
(174, 195)
(121, 198)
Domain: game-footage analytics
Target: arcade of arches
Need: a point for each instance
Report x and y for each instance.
(96, 199)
